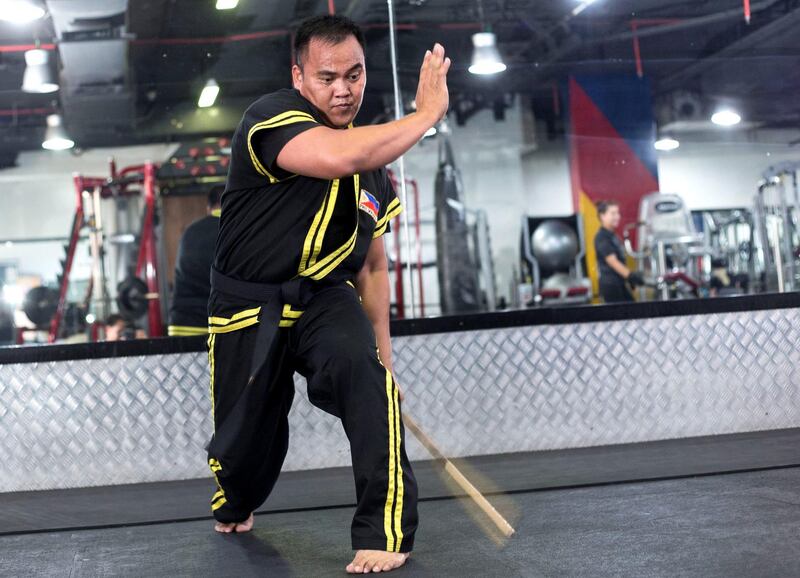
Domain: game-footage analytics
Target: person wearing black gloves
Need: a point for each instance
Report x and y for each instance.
(611, 257)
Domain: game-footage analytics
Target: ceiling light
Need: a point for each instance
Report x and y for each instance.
(20, 11)
(55, 138)
(38, 76)
(227, 4)
(584, 4)
(726, 117)
(485, 56)
(209, 94)
(666, 144)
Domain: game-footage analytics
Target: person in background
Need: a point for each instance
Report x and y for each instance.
(117, 328)
(611, 257)
(188, 311)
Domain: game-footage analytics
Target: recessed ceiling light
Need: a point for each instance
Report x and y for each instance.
(209, 94)
(583, 5)
(20, 11)
(227, 4)
(726, 117)
(666, 144)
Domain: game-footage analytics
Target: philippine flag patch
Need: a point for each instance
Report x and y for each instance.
(369, 204)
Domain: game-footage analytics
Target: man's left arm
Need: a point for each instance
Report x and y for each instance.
(372, 284)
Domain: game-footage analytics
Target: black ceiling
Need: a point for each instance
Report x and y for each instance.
(700, 47)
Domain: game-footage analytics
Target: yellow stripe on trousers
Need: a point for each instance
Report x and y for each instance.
(393, 510)
(211, 342)
(218, 500)
(398, 508)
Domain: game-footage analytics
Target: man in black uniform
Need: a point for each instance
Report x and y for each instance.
(188, 312)
(611, 257)
(300, 283)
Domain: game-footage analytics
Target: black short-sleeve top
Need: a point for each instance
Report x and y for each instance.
(275, 225)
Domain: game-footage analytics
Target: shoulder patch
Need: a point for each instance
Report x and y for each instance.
(369, 204)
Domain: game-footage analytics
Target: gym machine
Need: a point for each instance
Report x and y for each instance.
(777, 232)
(134, 295)
(670, 251)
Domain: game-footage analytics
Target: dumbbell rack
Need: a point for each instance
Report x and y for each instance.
(118, 184)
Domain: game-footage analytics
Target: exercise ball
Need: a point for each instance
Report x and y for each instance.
(554, 245)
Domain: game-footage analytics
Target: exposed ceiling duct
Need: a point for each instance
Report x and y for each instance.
(131, 72)
(96, 95)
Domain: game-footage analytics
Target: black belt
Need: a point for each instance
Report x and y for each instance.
(272, 297)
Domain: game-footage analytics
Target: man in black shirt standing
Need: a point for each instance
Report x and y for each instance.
(300, 283)
(611, 257)
(188, 311)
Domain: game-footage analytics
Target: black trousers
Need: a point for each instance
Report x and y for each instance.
(333, 346)
(614, 290)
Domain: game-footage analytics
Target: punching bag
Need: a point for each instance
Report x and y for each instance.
(458, 272)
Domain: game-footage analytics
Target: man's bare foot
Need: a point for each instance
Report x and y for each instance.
(367, 561)
(237, 527)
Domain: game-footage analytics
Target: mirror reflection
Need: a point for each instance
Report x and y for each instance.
(592, 153)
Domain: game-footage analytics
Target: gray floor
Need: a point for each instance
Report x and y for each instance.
(745, 524)
(188, 499)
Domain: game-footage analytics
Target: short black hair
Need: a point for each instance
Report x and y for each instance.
(215, 195)
(604, 206)
(115, 318)
(331, 29)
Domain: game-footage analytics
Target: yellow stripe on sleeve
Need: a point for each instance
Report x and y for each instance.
(283, 119)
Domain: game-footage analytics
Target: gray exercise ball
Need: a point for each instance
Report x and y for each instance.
(554, 245)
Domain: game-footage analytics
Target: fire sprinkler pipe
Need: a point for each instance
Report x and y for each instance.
(637, 52)
(26, 47)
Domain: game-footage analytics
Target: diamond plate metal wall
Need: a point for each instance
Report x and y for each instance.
(135, 419)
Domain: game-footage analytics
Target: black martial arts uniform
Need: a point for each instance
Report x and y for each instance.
(188, 312)
(612, 286)
(287, 255)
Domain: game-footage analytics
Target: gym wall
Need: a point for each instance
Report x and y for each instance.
(559, 384)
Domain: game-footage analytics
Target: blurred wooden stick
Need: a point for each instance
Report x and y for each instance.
(460, 479)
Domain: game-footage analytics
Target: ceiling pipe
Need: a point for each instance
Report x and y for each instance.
(635, 23)
(253, 36)
(687, 24)
(25, 47)
(26, 111)
(209, 39)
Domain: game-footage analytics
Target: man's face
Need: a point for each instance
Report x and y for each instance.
(114, 332)
(611, 217)
(333, 78)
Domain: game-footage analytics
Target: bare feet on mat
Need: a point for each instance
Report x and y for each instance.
(367, 561)
(236, 527)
